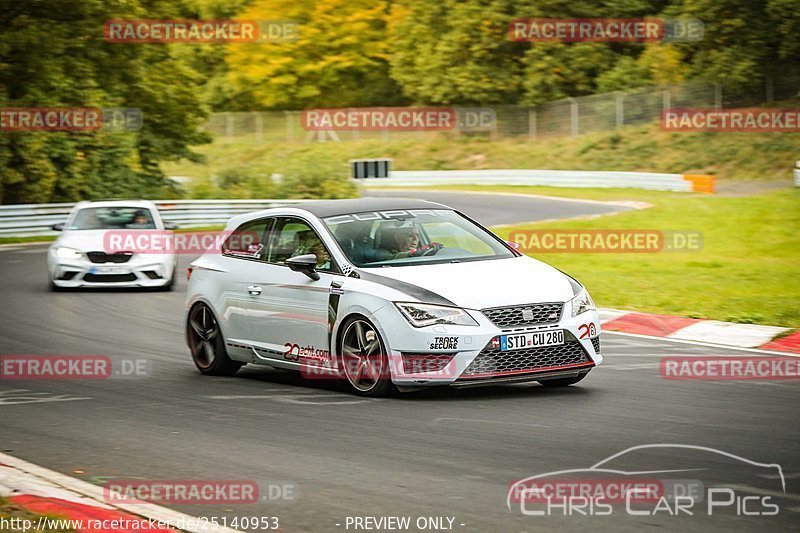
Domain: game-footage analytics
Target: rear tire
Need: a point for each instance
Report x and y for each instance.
(363, 358)
(207, 344)
(562, 382)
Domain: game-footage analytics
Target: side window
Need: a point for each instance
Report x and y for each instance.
(292, 237)
(246, 240)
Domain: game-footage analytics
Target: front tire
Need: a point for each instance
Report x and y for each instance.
(363, 356)
(207, 344)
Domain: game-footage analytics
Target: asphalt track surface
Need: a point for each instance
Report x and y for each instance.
(439, 453)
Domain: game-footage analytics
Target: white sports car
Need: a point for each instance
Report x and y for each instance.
(80, 256)
(382, 293)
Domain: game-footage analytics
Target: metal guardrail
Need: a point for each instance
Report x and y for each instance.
(554, 178)
(25, 220)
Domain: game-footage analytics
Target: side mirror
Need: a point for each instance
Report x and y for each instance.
(170, 226)
(304, 263)
(58, 227)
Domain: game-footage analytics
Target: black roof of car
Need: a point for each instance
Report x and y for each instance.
(330, 208)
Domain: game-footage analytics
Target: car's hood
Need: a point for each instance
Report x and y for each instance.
(85, 240)
(482, 284)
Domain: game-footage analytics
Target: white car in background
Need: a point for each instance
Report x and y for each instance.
(382, 293)
(80, 256)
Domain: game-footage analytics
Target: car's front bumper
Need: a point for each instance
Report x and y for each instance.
(140, 271)
(469, 358)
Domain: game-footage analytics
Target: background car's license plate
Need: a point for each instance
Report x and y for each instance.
(532, 340)
(110, 270)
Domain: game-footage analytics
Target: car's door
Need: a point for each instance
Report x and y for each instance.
(242, 258)
(289, 310)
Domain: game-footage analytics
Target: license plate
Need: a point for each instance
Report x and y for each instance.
(110, 270)
(532, 340)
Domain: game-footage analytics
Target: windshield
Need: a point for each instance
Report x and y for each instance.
(113, 218)
(423, 236)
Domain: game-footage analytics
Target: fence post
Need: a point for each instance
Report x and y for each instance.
(229, 126)
(620, 111)
(666, 100)
(289, 126)
(573, 116)
(717, 96)
(259, 123)
(532, 124)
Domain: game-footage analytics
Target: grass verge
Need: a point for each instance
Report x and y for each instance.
(747, 271)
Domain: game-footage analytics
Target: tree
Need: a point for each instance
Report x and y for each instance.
(453, 52)
(339, 58)
(54, 55)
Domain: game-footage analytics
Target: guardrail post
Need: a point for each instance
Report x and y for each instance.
(532, 124)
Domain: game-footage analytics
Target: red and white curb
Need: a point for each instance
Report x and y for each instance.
(698, 330)
(53, 494)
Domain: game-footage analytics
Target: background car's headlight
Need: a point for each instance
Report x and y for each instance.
(426, 315)
(582, 303)
(68, 253)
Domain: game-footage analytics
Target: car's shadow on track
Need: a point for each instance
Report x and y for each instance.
(443, 393)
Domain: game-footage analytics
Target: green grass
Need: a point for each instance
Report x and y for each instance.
(729, 156)
(10, 511)
(747, 271)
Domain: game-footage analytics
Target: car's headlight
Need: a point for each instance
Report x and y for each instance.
(582, 303)
(68, 253)
(420, 315)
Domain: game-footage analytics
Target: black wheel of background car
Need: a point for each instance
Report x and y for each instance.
(364, 359)
(207, 345)
(562, 382)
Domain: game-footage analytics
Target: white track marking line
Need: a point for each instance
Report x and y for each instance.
(96, 493)
(700, 343)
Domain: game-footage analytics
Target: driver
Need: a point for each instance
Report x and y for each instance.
(407, 244)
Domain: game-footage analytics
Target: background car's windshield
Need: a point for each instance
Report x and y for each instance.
(113, 218)
(413, 237)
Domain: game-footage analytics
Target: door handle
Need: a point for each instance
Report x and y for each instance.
(254, 290)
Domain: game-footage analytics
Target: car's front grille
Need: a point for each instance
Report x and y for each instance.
(494, 362)
(596, 344)
(102, 257)
(109, 278)
(524, 315)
